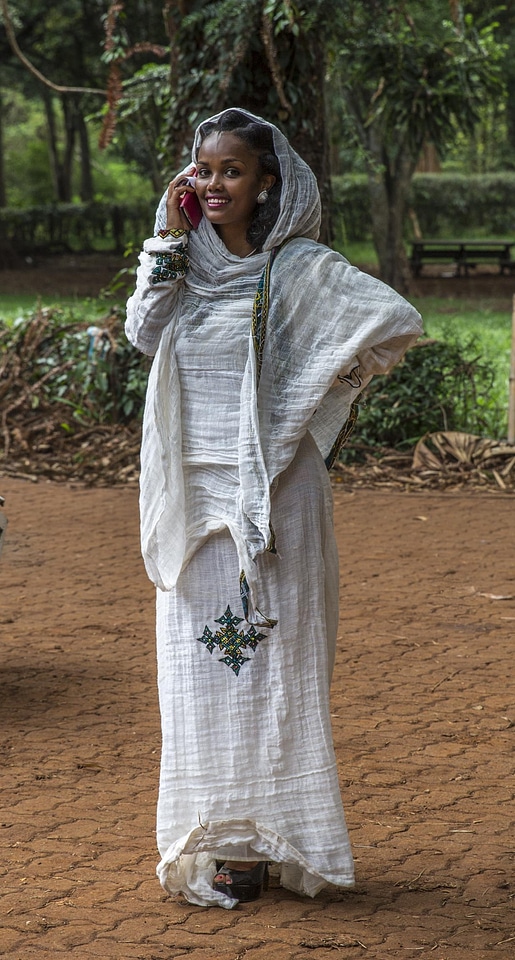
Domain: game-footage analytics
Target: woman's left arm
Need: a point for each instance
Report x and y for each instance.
(335, 318)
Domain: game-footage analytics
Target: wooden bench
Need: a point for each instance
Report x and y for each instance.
(463, 254)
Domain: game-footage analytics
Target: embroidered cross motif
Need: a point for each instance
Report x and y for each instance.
(231, 641)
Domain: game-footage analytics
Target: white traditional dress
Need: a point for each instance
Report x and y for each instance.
(242, 414)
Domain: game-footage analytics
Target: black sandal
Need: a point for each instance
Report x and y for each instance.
(245, 885)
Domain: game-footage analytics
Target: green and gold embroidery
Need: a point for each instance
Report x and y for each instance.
(230, 641)
(170, 266)
(343, 435)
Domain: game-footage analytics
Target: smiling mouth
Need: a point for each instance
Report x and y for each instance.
(215, 202)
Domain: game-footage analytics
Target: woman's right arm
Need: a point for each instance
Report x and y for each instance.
(163, 264)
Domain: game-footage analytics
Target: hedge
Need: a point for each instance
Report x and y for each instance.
(445, 205)
(83, 227)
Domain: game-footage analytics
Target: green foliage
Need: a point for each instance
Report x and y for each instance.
(414, 74)
(487, 149)
(487, 322)
(76, 226)
(64, 41)
(58, 366)
(267, 56)
(27, 171)
(351, 207)
(452, 204)
(120, 181)
(116, 173)
(446, 205)
(140, 115)
(407, 74)
(438, 386)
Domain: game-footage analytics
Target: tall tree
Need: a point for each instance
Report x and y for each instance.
(67, 70)
(268, 56)
(505, 33)
(3, 188)
(409, 72)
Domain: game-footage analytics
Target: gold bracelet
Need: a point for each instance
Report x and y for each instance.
(164, 234)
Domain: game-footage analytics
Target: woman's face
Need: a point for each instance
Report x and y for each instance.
(229, 179)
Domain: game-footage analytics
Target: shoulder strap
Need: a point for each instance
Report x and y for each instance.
(260, 312)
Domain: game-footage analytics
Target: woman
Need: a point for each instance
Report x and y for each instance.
(263, 341)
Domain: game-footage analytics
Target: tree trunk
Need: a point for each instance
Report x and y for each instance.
(3, 186)
(86, 190)
(428, 161)
(156, 175)
(389, 181)
(313, 144)
(53, 151)
(70, 126)
(175, 139)
(282, 60)
(510, 112)
(389, 202)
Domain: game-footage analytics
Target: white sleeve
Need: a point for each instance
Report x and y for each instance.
(163, 264)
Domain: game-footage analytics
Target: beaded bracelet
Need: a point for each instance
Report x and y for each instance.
(175, 233)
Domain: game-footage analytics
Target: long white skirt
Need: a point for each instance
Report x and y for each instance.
(248, 769)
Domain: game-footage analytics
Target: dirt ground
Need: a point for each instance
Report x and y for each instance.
(84, 276)
(68, 275)
(423, 714)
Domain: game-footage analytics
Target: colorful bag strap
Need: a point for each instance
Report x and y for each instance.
(260, 312)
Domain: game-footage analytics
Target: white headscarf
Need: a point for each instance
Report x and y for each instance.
(211, 263)
(300, 208)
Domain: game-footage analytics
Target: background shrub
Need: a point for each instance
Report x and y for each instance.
(445, 204)
(438, 386)
(52, 361)
(55, 228)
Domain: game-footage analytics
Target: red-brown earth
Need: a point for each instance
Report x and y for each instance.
(423, 712)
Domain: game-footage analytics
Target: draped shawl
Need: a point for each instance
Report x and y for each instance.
(330, 328)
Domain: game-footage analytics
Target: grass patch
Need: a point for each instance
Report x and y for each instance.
(15, 305)
(357, 251)
(484, 324)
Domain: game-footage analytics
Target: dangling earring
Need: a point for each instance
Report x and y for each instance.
(263, 196)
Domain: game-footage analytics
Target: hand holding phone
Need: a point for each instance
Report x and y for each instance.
(190, 205)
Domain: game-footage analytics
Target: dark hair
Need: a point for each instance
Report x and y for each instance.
(258, 138)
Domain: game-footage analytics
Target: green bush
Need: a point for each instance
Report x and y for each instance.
(28, 175)
(445, 205)
(351, 207)
(75, 226)
(52, 365)
(452, 204)
(52, 360)
(438, 386)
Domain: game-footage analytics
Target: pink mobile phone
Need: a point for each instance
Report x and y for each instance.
(191, 207)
